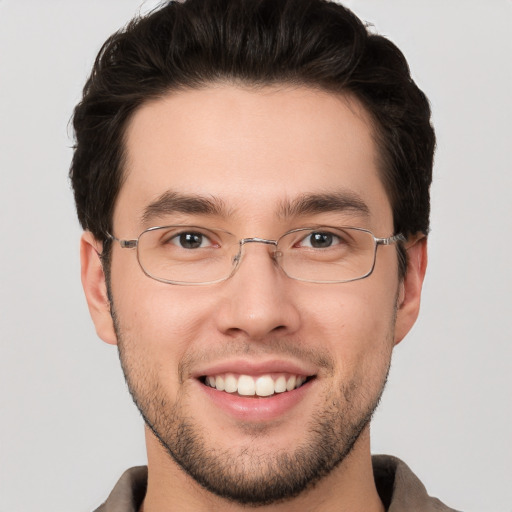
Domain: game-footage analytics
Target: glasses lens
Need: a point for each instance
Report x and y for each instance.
(187, 254)
(327, 254)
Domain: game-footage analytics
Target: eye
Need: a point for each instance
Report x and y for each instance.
(320, 240)
(190, 240)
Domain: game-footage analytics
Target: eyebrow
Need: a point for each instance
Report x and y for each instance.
(171, 202)
(341, 201)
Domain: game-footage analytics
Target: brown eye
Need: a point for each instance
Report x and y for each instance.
(321, 240)
(190, 240)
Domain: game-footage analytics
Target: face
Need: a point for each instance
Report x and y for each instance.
(245, 161)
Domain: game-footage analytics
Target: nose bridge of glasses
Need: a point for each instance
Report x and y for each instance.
(245, 241)
(257, 240)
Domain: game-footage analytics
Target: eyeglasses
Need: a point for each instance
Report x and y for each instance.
(195, 255)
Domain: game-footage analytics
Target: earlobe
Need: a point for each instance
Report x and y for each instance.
(409, 297)
(94, 285)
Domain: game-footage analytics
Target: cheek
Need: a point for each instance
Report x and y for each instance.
(355, 324)
(159, 316)
(158, 322)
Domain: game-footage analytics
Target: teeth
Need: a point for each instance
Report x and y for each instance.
(264, 385)
(231, 383)
(280, 384)
(219, 382)
(246, 385)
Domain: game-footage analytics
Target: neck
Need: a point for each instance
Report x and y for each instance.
(349, 487)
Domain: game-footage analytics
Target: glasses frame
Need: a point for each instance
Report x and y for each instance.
(134, 244)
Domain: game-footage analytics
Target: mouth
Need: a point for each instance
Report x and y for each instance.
(256, 386)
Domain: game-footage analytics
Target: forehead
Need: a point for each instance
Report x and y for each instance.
(250, 149)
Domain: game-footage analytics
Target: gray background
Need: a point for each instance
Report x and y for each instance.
(68, 428)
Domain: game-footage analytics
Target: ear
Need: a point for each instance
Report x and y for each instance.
(409, 296)
(95, 288)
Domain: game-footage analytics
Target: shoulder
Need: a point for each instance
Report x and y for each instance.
(400, 489)
(128, 493)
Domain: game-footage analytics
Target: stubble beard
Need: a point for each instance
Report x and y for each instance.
(248, 475)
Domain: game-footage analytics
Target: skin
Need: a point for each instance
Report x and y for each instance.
(254, 149)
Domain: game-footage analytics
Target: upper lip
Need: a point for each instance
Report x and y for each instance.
(252, 367)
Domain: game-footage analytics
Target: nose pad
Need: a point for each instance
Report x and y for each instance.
(235, 263)
(276, 256)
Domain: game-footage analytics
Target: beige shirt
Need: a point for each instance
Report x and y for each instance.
(399, 489)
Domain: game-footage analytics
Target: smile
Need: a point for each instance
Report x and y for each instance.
(260, 385)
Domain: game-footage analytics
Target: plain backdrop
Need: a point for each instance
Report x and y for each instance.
(68, 427)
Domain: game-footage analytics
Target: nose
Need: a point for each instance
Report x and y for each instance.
(257, 299)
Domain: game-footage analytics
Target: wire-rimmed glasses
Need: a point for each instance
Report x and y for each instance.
(195, 255)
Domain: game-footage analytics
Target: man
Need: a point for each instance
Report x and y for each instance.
(253, 180)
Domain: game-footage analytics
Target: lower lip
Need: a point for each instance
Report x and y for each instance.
(256, 409)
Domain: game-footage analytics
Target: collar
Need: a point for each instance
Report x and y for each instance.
(399, 489)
